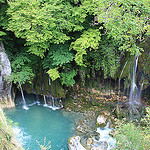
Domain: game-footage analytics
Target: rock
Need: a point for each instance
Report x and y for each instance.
(101, 119)
(79, 106)
(89, 141)
(68, 109)
(5, 86)
(124, 97)
(79, 128)
(75, 97)
(98, 148)
(105, 144)
(74, 143)
(106, 113)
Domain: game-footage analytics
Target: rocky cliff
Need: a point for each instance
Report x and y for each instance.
(5, 86)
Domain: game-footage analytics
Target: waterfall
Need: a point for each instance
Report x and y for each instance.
(49, 80)
(53, 102)
(134, 89)
(45, 103)
(24, 101)
(53, 107)
(37, 98)
(120, 79)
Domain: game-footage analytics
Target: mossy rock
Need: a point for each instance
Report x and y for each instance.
(42, 86)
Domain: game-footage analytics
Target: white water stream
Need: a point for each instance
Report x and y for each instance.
(24, 101)
(105, 140)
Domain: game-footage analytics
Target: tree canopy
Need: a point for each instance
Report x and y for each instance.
(67, 36)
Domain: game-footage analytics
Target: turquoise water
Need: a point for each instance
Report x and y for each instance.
(40, 122)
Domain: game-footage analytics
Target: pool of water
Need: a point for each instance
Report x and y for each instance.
(39, 123)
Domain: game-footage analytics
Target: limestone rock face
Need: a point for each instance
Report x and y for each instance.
(74, 143)
(5, 86)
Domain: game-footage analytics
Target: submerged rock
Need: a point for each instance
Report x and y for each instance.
(74, 143)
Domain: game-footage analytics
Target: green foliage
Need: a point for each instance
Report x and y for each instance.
(89, 39)
(53, 73)
(3, 18)
(44, 22)
(22, 76)
(106, 57)
(71, 34)
(58, 55)
(126, 21)
(67, 78)
(22, 71)
(130, 136)
(2, 33)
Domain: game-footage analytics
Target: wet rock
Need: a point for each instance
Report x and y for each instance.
(68, 109)
(74, 143)
(79, 128)
(101, 119)
(89, 141)
(105, 144)
(5, 86)
(98, 148)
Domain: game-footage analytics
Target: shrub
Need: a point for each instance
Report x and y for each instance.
(130, 136)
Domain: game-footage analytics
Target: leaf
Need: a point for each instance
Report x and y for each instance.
(53, 73)
(2, 33)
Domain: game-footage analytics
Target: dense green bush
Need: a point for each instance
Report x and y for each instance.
(133, 137)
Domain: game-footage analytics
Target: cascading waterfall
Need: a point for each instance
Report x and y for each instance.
(50, 101)
(24, 101)
(49, 80)
(45, 103)
(37, 99)
(120, 79)
(134, 89)
(53, 102)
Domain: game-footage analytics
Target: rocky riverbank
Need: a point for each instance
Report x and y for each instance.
(98, 111)
(101, 111)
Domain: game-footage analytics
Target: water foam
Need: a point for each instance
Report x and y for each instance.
(21, 136)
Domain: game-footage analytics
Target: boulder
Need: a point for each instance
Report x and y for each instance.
(74, 143)
(101, 119)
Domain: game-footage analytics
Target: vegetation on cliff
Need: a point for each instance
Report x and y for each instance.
(7, 137)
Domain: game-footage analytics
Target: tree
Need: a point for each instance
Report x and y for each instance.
(71, 35)
(126, 21)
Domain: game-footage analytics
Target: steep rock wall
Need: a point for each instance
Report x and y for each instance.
(5, 86)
